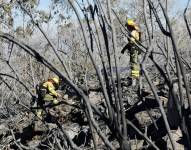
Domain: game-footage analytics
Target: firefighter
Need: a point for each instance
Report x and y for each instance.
(47, 93)
(135, 35)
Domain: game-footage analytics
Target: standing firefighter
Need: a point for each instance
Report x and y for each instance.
(47, 93)
(135, 35)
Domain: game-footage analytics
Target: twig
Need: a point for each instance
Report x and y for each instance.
(185, 18)
(142, 134)
(125, 144)
(15, 141)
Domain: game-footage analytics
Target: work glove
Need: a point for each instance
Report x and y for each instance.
(39, 114)
(55, 101)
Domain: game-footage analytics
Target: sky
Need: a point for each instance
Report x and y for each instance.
(44, 4)
(179, 6)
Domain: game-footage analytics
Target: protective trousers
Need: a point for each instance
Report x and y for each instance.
(135, 67)
(42, 100)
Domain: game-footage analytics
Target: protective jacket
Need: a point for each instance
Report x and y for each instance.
(135, 35)
(47, 93)
(49, 86)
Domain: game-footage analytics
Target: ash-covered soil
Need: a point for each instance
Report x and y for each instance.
(69, 120)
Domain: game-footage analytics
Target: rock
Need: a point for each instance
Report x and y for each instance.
(177, 135)
(39, 126)
(3, 129)
(144, 118)
(65, 96)
(51, 126)
(34, 143)
(73, 130)
(95, 97)
(136, 144)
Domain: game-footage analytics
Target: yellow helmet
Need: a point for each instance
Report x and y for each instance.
(131, 22)
(56, 80)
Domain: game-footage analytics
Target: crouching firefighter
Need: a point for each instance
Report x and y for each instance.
(47, 94)
(134, 51)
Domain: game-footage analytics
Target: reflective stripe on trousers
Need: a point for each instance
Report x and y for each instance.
(135, 67)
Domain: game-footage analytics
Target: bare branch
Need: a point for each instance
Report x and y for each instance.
(186, 20)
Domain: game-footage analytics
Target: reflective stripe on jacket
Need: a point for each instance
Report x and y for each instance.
(50, 87)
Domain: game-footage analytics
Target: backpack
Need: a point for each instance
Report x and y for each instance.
(42, 90)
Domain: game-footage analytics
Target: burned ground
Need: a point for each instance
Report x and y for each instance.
(81, 42)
